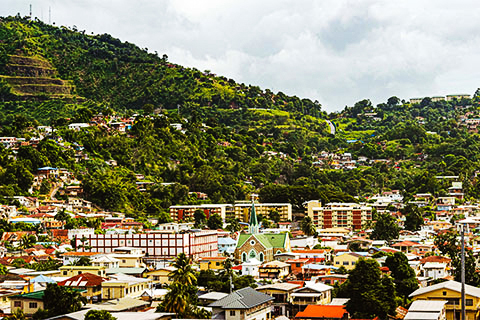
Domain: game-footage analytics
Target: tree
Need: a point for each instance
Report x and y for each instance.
(215, 222)
(60, 300)
(370, 294)
(99, 315)
(27, 241)
(307, 226)
(274, 216)
(449, 244)
(200, 218)
(233, 225)
(83, 261)
(413, 217)
(17, 315)
(404, 276)
(183, 272)
(386, 228)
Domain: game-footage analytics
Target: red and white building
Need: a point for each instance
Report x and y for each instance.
(156, 245)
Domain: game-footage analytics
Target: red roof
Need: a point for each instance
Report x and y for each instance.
(82, 280)
(435, 259)
(322, 311)
(405, 243)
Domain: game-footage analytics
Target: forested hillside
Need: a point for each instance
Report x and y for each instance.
(193, 131)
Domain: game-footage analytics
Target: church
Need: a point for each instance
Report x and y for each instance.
(260, 246)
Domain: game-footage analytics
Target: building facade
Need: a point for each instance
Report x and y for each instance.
(345, 215)
(186, 212)
(157, 245)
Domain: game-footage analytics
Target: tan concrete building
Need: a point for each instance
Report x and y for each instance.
(242, 210)
(345, 215)
(121, 285)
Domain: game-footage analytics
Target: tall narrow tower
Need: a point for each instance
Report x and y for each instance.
(253, 222)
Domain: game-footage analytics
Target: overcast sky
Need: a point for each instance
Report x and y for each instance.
(337, 52)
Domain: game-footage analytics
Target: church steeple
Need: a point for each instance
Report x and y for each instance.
(253, 222)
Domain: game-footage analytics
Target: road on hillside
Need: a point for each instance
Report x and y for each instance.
(332, 127)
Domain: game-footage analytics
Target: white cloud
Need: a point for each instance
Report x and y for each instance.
(334, 51)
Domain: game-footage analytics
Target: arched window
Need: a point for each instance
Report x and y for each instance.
(278, 252)
(252, 254)
(261, 256)
(244, 257)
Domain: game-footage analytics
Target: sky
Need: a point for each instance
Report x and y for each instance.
(335, 51)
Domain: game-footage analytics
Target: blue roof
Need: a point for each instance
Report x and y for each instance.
(42, 279)
(47, 168)
(226, 241)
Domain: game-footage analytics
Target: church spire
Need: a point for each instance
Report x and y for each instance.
(253, 223)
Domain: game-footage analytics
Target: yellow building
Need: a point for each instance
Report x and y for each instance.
(129, 257)
(29, 303)
(274, 270)
(451, 292)
(121, 285)
(242, 210)
(89, 284)
(347, 260)
(161, 275)
(311, 294)
(70, 271)
(212, 263)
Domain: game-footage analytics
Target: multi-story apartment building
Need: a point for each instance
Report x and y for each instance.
(186, 212)
(242, 210)
(331, 215)
(159, 245)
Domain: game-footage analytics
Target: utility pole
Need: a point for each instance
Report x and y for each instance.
(49, 15)
(30, 11)
(463, 272)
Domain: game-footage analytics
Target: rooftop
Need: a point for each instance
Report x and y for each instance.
(245, 298)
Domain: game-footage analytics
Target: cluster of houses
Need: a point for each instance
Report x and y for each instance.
(129, 272)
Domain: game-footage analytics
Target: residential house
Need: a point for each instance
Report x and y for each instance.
(311, 294)
(347, 259)
(274, 270)
(29, 303)
(161, 275)
(89, 284)
(451, 292)
(106, 261)
(282, 293)
(121, 285)
(70, 271)
(212, 263)
(226, 245)
(243, 304)
(426, 309)
(129, 257)
(251, 268)
(296, 265)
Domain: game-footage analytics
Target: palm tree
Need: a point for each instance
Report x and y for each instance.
(27, 241)
(183, 272)
(176, 300)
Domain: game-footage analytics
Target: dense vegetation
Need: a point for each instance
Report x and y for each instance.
(235, 138)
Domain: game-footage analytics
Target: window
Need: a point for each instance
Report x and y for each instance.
(469, 302)
(32, 305)
(444, 293)
(345, 263)
(244, 257)
(17, 304)
(79, 272)
(297, 265)
(252, 242)
(124, 261)
(261, 256)
(217, 263)
(232, 313)
(353, 263)
(65, 273)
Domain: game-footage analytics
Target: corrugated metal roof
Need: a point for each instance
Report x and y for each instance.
(245, 298)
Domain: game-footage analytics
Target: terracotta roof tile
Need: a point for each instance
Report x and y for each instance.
(322, 311)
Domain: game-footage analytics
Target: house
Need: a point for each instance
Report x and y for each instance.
(311, 294)
(72, 257)
(251, 268)
(89, 284)
(106, 261)
(426, 309)
(226, 244)
(244, 304)
(121, 285)
(435, 270)
(129, 257)
(211, 297)
(161, 275)
(347, 259)
(274, 270)
(282, 293)
(212, 263)
(451, 292)
(70, 271)
(313, 270)
(296, 265)
(315, 312)
(332, 279)
(29, 303)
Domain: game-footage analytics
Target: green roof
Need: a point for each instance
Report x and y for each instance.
(36, 295)
(269, 240)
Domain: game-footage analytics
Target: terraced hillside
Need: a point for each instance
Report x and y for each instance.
(35, 77)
